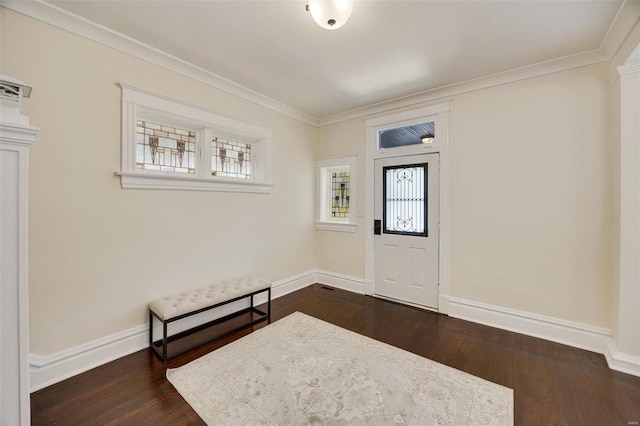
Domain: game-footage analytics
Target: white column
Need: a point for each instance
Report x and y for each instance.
(16, 136)
(625, 353)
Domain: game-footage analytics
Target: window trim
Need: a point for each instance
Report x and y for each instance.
(323, 221)
(421, 148)
(139, 104)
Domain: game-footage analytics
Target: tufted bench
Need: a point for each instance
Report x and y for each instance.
(189, 303)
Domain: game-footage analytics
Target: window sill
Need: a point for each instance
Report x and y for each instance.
(336, 226)
(190, 183)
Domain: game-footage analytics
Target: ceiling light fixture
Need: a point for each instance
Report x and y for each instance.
(428, 138)
(330, 14)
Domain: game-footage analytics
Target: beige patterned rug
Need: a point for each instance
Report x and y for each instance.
(302, 371)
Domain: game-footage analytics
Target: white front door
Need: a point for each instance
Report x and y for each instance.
(406, 228)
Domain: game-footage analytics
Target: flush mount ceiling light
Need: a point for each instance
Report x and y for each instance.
(427, 138)
(330, 14)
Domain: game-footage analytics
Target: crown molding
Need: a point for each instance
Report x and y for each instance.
(53, 15)
(620, 27)
(620, 70)
(632, 68)
(431, 95)
(625, 20)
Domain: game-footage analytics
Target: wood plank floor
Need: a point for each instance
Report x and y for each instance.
(553, 384)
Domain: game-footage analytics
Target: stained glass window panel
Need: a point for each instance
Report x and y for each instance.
(405, 194)
(165, 148)
(340, 194)
(230, 158)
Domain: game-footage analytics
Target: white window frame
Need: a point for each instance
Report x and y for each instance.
(139, 104)
(324, 169)
(419, 148)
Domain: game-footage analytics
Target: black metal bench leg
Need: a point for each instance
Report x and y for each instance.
(164, 341)
(150, 329)
(269, 303)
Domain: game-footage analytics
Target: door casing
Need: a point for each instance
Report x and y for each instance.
(439, 113)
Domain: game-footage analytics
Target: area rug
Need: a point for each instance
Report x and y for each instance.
(303, 371)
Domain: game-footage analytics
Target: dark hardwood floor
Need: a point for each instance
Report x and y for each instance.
(553, 384)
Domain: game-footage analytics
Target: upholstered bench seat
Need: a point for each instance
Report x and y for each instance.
(188, 303)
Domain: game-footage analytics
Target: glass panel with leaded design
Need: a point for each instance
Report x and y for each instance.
(405, 194)
(340, 194)
(165, 148)
(230, 158)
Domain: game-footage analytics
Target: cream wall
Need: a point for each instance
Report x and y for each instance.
(99, 253)
(343, 252)
(531, 200)
(531, 203)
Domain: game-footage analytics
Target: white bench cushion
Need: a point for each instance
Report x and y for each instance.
(189, 301)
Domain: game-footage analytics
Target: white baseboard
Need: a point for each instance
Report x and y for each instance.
(620, 361)
(341, 281)
(570, 333)
(443, 304)
(291, 284)
(47, 370)
(557, 330)
(50, 369)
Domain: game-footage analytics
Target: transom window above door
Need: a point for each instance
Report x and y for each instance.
(414, 134)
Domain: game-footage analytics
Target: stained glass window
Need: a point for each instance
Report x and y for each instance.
(405, 194)
(340, 194)
(230, 158)
(166, 148)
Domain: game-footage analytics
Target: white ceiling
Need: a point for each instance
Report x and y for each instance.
(387, 50)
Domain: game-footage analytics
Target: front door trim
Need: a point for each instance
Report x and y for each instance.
(440, 114)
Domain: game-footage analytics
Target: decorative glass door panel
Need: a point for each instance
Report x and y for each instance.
(405, 199)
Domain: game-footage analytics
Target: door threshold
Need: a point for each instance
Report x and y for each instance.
(404, 302)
